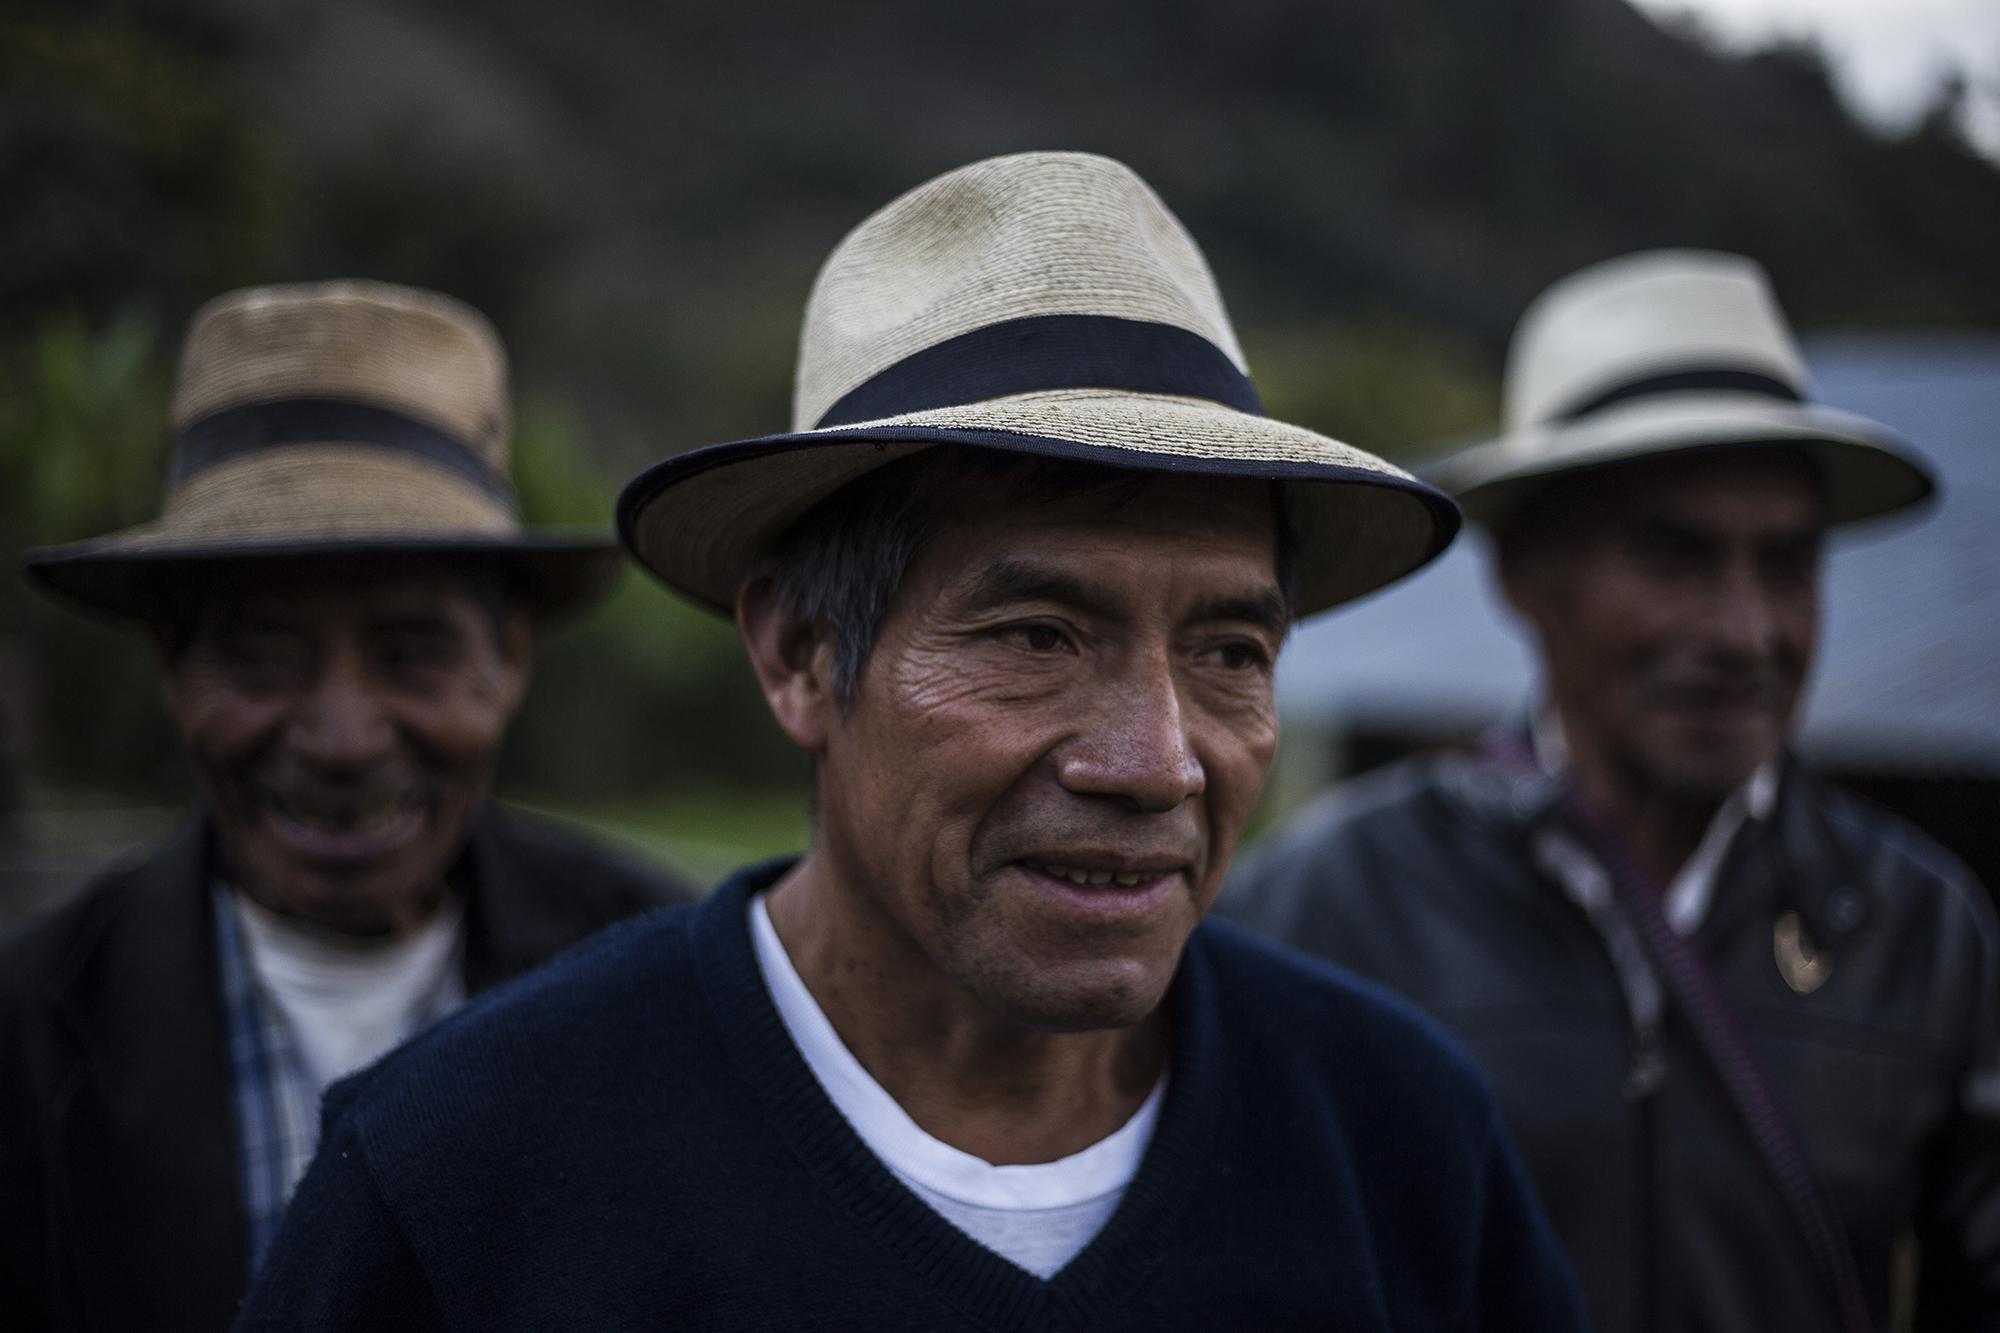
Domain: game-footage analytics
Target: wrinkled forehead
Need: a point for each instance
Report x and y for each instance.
(334, 588)
(1032, 492)
(1747, 489)
(1118, 543)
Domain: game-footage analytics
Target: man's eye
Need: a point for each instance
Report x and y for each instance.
(1037, 638)
(1241, 655)
(259, 652)
(413, 653)
(1792, 566)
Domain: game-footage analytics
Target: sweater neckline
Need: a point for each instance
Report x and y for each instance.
(986, 1288)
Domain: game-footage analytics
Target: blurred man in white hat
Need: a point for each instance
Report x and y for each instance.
(1015, 581)
(344, 604)
(1741, 1024)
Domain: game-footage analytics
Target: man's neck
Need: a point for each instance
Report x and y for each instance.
(967, 1075)
(361, 928)
(1658, 831)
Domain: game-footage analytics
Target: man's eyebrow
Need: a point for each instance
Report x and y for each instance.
(1009, 579)
(1684, 530)
(255, 618)
(412, 620)
(1265, 608)
(1680, 529)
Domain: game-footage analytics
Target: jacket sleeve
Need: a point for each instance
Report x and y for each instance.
(1523, 1278)
(341, 1259)
(1958, 1232)
(23, 1261)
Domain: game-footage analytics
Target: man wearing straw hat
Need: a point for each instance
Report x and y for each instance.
(1015, 581)
(344, 604)
(1742, 1024)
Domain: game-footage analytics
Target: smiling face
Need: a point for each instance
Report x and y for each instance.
(1677, 614)
(345, 717)
(1058, 737)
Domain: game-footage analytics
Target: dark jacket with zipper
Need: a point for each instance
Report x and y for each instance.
(120, 1203)
(1425, 877)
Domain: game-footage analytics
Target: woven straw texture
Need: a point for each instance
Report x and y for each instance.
(1013, 238)
(350, 491)
(416, 353)
(1008, 238)
(420, 353)
(1657, 313)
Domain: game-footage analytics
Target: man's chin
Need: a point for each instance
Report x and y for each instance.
(350, 899)
(1081, 1003)
(1707, 777)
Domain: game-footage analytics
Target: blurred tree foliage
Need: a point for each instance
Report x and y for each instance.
(80, 427)
(640, 695)
(639, 194)
(645, 694)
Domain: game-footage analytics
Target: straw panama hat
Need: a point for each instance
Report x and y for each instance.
(334, 418)
(1044, 304)
(1668, 351)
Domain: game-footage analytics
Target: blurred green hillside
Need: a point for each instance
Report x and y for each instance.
(639, 195)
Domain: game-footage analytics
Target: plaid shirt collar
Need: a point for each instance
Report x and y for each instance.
(277, 1109)
(272, 1092)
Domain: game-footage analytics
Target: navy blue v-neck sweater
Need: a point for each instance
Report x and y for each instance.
(628, 1139)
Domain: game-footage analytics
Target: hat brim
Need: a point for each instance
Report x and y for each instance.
(701, 520)
(1869, 470)
(553, 573)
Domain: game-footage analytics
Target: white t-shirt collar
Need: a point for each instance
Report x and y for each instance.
(1693, 890)
(904, 1146)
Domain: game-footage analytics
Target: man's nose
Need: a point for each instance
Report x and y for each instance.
(341, 722)
(1136, 745)
(1743, 616)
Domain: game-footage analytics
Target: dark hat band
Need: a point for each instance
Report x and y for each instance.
(251, 428)
(1046, 352)
(1719, 378)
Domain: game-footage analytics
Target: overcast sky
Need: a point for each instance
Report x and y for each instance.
(1889, 56)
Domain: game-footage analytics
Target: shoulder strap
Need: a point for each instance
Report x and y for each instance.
(1687, 977)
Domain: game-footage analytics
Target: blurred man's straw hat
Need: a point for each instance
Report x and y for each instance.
(1045, 304)
(1666, 352)
(337, 418)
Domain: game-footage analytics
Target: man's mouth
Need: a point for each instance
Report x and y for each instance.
(1094, 878)
(1725, 699)
(345, 828)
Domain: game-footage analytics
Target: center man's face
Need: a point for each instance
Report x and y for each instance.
(345, 716)
(1058, 738)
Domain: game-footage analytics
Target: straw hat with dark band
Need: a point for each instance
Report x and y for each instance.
(1667, 352)
(339, 418)
(1044, 304)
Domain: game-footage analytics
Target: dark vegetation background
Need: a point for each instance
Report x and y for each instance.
(639, 196)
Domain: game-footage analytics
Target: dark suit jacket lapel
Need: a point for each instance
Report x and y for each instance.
(143, 1128)
(515, 916)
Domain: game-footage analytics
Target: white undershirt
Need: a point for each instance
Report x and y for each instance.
(347, 1002)
(1688, 897)
(1038, 1216)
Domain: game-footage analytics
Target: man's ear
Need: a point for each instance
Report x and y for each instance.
(168, 649)
(793, 666)
(1524, 571)
(516, 641)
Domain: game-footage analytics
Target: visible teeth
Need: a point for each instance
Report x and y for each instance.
(363, 819)
(1092, 878)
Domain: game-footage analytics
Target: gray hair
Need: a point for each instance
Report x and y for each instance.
(839, 567)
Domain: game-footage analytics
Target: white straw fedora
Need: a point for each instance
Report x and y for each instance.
(1665, 352)
(335, 418)
(1045, 304)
